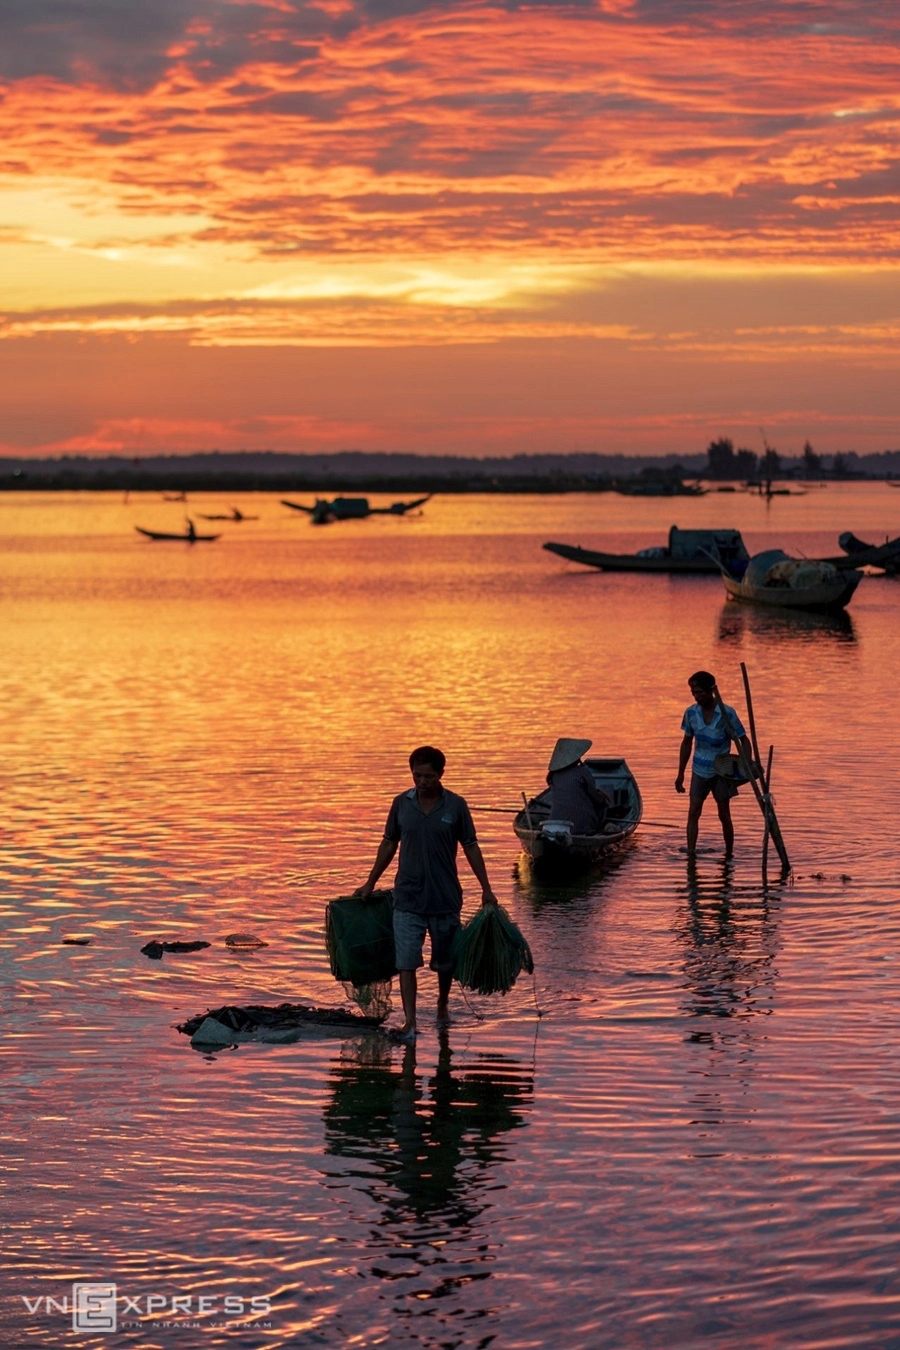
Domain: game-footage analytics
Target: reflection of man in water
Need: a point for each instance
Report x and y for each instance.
(414, 1135)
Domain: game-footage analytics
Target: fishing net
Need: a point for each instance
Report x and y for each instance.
(359, 939)
(490, 952)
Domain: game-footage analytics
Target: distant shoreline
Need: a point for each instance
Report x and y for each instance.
(354, 472)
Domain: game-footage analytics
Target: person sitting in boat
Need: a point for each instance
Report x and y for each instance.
(191, 530)
(574, 795)
(709, 727)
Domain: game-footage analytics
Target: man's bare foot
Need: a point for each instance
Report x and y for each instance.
(443, 1015)
(406, 1033)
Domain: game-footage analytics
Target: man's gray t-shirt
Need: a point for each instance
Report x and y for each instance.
(427, 881)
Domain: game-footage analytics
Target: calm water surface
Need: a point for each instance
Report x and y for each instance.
(685, 1132)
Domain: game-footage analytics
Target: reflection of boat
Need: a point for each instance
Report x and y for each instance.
(772, 578)
(188, 537)
(765, 623)
(686, 551)
(552, 845)
(861, 554)
(234, 514)
(351, 508)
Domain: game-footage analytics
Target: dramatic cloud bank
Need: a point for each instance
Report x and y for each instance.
(702, 197)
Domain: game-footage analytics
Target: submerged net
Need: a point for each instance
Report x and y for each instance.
(490, 952)
(359, 939)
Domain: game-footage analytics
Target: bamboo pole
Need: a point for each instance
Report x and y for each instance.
(514, 811)
(764, 799)
(765, 857)
(527, 812)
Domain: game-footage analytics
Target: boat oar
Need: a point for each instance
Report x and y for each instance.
(514, 811)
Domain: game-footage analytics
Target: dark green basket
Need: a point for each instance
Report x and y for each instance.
(359, 938)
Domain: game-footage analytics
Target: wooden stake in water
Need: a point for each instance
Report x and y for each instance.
(763, 798)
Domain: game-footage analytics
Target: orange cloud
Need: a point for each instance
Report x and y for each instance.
(347, 175)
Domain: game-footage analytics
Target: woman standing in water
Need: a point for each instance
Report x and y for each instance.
(709, 727)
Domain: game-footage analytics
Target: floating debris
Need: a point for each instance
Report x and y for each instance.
(155, 949)
(244, 940)
(225, 1026)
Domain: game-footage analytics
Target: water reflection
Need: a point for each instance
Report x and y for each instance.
(425, 1147)
(540, 891)
(737, 621)
(728, 938)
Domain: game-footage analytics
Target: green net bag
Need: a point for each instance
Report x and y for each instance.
(490, 952)
(359, 939)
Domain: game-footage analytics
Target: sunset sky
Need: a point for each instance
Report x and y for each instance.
(469, 228)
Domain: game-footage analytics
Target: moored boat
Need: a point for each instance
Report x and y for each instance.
(686, 551)
(322, 512)
(860, 554)
(773, 578)
(553, 846)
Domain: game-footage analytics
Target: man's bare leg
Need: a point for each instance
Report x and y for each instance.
(445, 980)
(408, 988)
(727, 827)
(693, 824)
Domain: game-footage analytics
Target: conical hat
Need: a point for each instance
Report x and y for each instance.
(567, 751)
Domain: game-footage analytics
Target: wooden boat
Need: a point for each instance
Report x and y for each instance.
(773, 578)
(636, 487)
(234, 514)
(184, 538)
(552, 845)
(351, 508)
(857, 553)
(686, 551)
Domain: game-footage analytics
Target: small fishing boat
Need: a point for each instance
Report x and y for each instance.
(234, 514)
(186, 537)
(686, 551)
(773, 578)
(552, 845)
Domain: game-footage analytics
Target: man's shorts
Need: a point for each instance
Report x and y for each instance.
(722, 789)
(409, 939)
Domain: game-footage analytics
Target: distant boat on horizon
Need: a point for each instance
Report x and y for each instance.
(352, 508)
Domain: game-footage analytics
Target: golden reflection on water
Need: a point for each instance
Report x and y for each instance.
(204, 741)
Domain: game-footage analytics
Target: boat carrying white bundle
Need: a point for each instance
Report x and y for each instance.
(800, 573)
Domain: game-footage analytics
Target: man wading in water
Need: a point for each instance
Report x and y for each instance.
(427, 822)
(709, 728)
